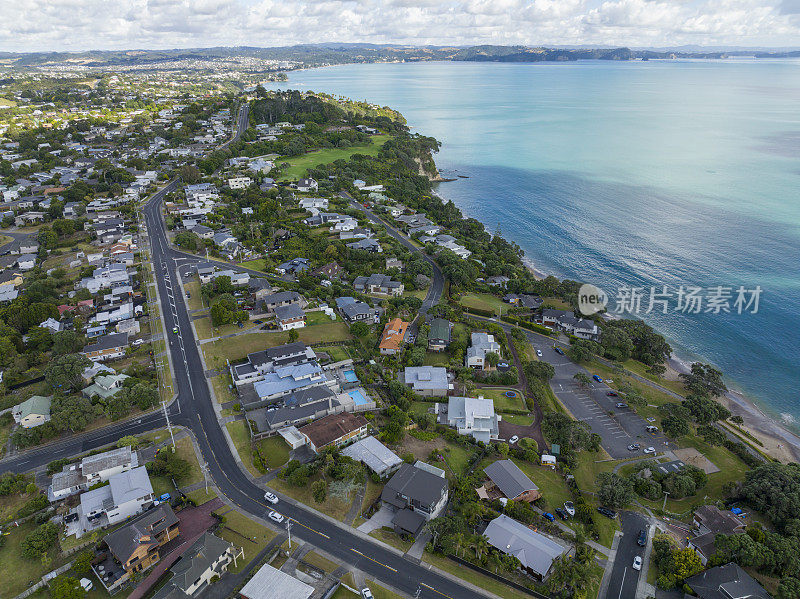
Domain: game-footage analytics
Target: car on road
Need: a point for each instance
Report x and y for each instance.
(513, 440)
(189, 295)
(637, 562)
(558, 350)
(275, 517)
(539, 353)
(612, 394)
(621, 405)
(366, 593)
(137, 343)
(561, 513)
(597, 378)
(607, 512)
(569, 507)
(650, 449)
(271, 497)
(642, 540)
(549, 516)
(634, 447)
(175, 330)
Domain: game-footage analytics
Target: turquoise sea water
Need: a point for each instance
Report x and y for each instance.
(635, 173)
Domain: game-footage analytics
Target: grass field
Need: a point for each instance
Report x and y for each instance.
(300, 164)
(195, 301)
(331, 506)
(241, 440)
(19, 571)
(206, 331)
(336, 353)
(245, 533)
(468, 575)
(517, 419)
(484, 301)
(257, 264)
(220, 385)
(236, 348)
(275, 450)
(501, 402)
(437, 359)
(389, 537)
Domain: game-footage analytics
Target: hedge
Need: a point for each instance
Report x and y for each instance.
(525, 324)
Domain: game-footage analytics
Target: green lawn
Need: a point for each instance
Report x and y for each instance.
(241, 440)
(18, 571)
(257, 264)
(501, 402)
(220, 385)
(195, 300)
(331, 506)
(201, 496)
(380, 593)
(275, 450)
(437, 359)
(336, 353)
(389, 537)
(317, 317)
(300, 164)
(517, 419)
(206, 331)
(418, 293)
(456, 457)
(237, 348)
(315, 559)
(551, 484)
(245, 533)
(484, 301)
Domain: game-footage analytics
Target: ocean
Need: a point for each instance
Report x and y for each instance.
(630, 175)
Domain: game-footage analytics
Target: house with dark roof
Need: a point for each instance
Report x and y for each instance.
(419, 493)
(368, 245)
(107, 347)
(136, 545)
(205, 561)
(507, 481)
(535, 551)
(439, 335)
(726, 582)
(290, 317)
(709, 521)
(378, 284)
(282, 298)
(353, 310)
(335, 429)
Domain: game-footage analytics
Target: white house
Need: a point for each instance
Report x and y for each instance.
(239, 182)
(482, 344)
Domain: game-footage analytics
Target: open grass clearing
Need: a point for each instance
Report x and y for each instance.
(332, 506)
(298, 165)
(485, 301)
(243, 532)
(336, 353)
(222, 392)
(388, 536)
(241, 440)
(501, 400)
(205, 330)
(315, 559)
(469, 575)
(437, 359)
(274, 450)
(194, 299)
(19, 571)
(257, 264)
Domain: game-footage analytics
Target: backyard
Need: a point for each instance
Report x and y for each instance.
(501, 400)
(19, 572)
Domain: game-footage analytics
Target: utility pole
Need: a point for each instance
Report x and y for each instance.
(169, 426)
(289, 532)
(664, 508)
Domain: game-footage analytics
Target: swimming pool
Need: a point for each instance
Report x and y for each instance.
(358, 397)
(350, 376)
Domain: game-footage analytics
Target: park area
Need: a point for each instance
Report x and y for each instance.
(300, 164)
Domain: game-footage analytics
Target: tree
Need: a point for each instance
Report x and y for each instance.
(65, 371)
(66, 587)
(704, 380)
(539, 370)
(687, 563)
(502, 449)
(73, 412)
(40, 540)
(674, 426)
(128, 441)
(66, 342)
(582, 379)
(582, 351)
(789, 588)
(293, 335)
(492, 358)
(613, 490)
(83, 562)
(319, 490)
(359, 329)
(774, 489)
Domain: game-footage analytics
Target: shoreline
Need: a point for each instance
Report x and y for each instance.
(778, 441)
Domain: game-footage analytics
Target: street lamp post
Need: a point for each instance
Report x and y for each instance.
(664, 508)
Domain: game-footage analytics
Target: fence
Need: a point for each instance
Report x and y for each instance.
(44, 580)
(497, 577)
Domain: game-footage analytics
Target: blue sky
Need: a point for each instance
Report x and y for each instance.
(39, 25)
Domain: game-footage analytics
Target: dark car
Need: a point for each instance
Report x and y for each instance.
(558, 350)
(642, 540)
(549, 516)
(607, 512)
(597, 378)
(612, 394)
(561, 513)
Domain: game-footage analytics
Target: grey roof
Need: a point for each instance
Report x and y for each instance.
(373, 454)
(269, 583)
(108, 459)
(201, 556)
(533, 550)
(282, 296)
(108, 342)
(409, 520)
(509, 478)
(415, 483)
(355, 309)
(426, 377)
(289, 312)
(130, 485)
(726, 582)
(123, 541)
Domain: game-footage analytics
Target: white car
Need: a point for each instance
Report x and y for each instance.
(650, 449)
(513, 440)
(637, 562)
(271, 497)
(366, 593)
(87, 584)
(137, 343)
(275, 517)
(570, 508)
(539, 353)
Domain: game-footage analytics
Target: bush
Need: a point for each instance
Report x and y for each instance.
(319, 490)
(39, 541)
(34, 505)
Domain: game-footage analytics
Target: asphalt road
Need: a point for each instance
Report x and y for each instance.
(624, 578)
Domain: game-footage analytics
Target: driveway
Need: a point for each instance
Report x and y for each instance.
(383, 517)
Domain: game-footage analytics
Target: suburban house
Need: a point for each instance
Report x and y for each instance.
(307, 185)
(108, 347)
(202, 563)
(105, 386)
(271, 583)
(367, 244)
(354, 310)
(261, 363)
(507, 481)
(292, 267)
(393, 336)
(470, 416)
(334, 430)
(240, 182)
(482, 344)
(535, 551)
(524, 300)
(127, 494)
(419, 493)
(283, 298)
(290, 317)
(374, 455)
(430, 381)
(136, 545)
(439, 335)
(32, 412)
(379, 284)
(331, 271)
(91, 470)
(726, 582)
(709, 521)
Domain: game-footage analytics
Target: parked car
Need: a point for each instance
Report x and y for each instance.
(642, 540)
(366, 593)
(621, 405)
(275, 517)
(558, 350)
(189, 295)
(597, 378)
(137, 342)
(513, 440)
(539, 353)
(607, 512)
(271, 497)
(612, 394)
(637, 562)
(650, 449)
(549, 516)
(570, 507)
(651, 429)
(561, 513)
(634, 447)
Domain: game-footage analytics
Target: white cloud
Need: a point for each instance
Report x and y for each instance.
(39, 25)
